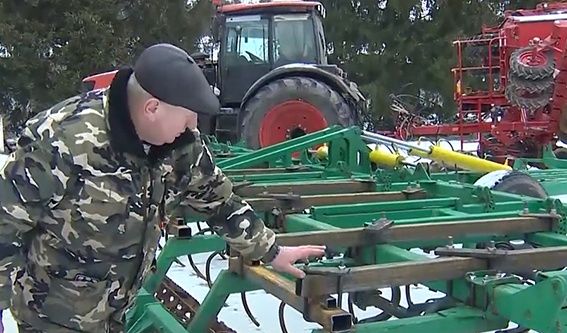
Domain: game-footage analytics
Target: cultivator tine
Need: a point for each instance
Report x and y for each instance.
(196, 269)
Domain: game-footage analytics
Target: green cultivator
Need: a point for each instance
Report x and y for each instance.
(509, 268)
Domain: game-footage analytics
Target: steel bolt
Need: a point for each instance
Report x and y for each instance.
(450, 243)
(491, 246)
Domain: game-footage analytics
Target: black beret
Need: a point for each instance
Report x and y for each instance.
(169, 74)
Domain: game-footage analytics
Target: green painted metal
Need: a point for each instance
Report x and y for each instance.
(449, 202)
(345, 148)
(450, 197)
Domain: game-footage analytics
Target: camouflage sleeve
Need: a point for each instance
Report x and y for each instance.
(206, 190)
(31, 180)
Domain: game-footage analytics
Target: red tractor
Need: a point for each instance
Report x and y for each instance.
(272, 75)
(510, 85)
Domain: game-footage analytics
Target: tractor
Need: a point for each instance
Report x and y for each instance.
(272, 75)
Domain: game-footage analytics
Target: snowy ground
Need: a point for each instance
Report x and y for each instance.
(264, 306)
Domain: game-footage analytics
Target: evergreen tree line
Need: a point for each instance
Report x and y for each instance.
(48, 46)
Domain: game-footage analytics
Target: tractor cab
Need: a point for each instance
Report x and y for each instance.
(256, 38)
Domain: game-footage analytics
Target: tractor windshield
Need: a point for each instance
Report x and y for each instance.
(248, 38)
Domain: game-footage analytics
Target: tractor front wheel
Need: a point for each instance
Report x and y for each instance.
(291, 107)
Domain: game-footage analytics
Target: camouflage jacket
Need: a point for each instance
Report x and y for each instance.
(79, 221)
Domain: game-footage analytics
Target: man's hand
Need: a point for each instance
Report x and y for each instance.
(288, 256)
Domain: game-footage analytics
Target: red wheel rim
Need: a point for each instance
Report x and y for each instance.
(532, 59)
(289, 120)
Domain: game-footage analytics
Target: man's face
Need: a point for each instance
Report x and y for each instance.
(163, 123)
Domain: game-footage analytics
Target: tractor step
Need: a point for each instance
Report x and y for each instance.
(226, 127)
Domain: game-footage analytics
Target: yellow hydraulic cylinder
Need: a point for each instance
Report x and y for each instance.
(322, 152)
(385, 158)
(462, 161)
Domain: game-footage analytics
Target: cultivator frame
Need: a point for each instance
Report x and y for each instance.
(369, 219)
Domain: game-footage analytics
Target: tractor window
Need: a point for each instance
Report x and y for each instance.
(247, 40)
(294, 39)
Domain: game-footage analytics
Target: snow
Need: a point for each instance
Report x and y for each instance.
(264, 306)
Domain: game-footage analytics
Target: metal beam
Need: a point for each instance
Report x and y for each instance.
(306, 188)
(379, 276)
(254, 171)
(307, 201)
(422, 231)
(332, 319)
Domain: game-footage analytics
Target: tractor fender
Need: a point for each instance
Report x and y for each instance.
(337, 83)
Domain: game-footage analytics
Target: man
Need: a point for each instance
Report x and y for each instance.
(81, 194)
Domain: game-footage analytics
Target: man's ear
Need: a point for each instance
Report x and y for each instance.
(150, 108)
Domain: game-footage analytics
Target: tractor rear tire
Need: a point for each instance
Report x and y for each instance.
(291, 107)
(513, 182)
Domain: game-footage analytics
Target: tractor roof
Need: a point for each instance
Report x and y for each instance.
(250, 8)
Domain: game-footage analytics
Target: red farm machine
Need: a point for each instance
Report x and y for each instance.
(272, 75)
(510, 86)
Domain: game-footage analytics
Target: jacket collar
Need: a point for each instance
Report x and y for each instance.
(122, 133)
